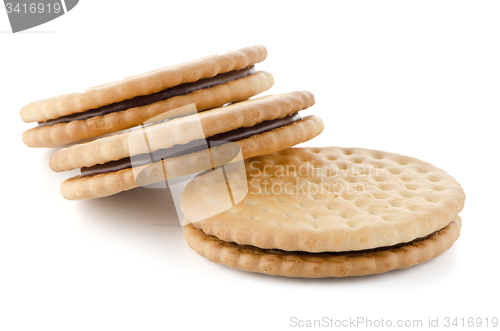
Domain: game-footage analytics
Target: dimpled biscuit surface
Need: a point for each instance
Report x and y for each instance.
(329, 199)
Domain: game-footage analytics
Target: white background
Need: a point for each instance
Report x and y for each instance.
(419, 78)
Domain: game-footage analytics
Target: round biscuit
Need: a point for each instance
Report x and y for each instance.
(78, 188)
(328, 199)
(75, 131)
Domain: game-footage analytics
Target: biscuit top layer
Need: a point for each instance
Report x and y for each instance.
(143, 84)
(328, 199)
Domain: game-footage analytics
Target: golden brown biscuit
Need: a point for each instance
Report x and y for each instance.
(208, 82)
(319, 265)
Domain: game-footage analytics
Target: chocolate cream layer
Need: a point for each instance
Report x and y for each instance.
(343, 253)
(155, 97)
(191, 147)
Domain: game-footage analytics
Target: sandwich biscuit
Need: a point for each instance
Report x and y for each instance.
(207, 82)
(186, 145)
(327, 212)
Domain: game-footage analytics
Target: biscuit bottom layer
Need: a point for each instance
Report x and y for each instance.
(155, 97)
(324, 264)
(191, 147)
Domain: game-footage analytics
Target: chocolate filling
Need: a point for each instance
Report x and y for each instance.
(155, 97)
(191, 147)
(364, 251)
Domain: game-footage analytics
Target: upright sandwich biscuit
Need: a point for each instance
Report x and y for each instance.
(173, 148)
(327, 212)
(208, 82)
